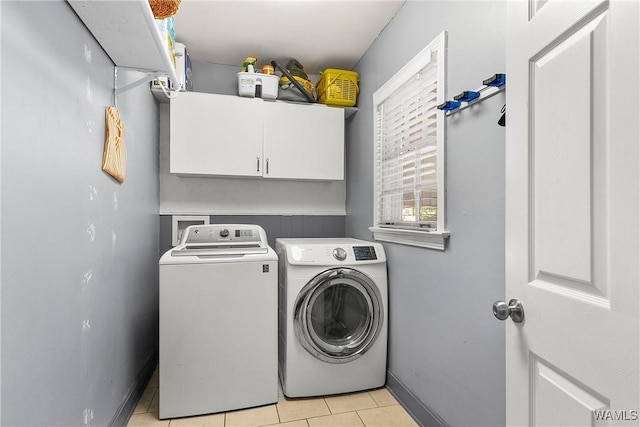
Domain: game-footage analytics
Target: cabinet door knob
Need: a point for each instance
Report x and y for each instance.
(258, 164)
(267, 170)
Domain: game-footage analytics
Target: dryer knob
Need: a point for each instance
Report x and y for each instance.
(224, 233)
(339, 254)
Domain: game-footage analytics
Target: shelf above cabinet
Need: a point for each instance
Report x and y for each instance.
(127, 32)
(348, 111)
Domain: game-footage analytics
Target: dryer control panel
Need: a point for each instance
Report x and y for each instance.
(331, 252)
(365, 253)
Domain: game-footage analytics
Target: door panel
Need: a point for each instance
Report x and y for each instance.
(573, 403)
(572, 211)
(562, 147)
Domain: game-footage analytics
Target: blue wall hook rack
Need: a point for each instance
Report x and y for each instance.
(467, 96)
(491, 86)
(449, 106)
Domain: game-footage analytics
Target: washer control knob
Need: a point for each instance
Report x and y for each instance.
(224, 233)
(339, 254)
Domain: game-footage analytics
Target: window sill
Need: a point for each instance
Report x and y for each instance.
(424, 239)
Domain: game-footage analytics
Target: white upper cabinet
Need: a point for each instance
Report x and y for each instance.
(234, 136)
(303, 141)
(215, 135)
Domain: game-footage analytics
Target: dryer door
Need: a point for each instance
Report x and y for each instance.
(338, 315)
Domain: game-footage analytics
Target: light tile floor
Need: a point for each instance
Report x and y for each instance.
(368, 408)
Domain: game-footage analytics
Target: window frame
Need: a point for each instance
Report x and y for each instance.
(414, 235)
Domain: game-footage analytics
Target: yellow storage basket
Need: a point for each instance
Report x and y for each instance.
(338, 87)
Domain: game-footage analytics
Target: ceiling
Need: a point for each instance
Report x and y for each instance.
(318, 33)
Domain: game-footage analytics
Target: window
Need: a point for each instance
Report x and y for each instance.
(409, 203)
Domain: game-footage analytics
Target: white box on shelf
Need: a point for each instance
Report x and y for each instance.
(248, 84)
(269, 85)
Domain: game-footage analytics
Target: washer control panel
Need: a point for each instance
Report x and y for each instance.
(222, 233)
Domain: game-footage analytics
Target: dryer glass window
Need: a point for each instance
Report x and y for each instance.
(339, 315)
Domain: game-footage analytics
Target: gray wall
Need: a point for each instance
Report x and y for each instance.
(446, 351)
(79, 251)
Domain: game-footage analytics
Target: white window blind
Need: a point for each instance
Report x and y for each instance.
(409, 141)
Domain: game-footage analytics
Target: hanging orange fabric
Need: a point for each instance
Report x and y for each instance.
(114, 159)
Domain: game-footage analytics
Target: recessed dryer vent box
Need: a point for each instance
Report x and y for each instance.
(179, 223)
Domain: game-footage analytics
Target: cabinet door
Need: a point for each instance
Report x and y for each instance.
(303, 141)
(215, 135)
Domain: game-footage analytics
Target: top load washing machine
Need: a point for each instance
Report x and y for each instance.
(218, 321)
(332, 316)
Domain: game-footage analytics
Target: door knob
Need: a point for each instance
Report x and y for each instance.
(514, 309)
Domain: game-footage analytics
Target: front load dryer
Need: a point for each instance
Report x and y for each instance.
(332, 299)
(218, 321)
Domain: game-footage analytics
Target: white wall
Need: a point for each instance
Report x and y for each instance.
(446, 350)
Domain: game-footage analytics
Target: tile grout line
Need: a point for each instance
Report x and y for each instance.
(374, 401)
(152, 398)
(324, 399)
(278, 412)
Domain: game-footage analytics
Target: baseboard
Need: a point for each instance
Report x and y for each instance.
(418, 410)
(130, 400)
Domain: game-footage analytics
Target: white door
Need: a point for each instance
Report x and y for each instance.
(572, 212)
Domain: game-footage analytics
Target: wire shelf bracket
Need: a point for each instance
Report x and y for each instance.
(148, 77)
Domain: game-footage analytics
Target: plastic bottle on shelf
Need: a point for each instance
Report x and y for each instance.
(248, 61)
